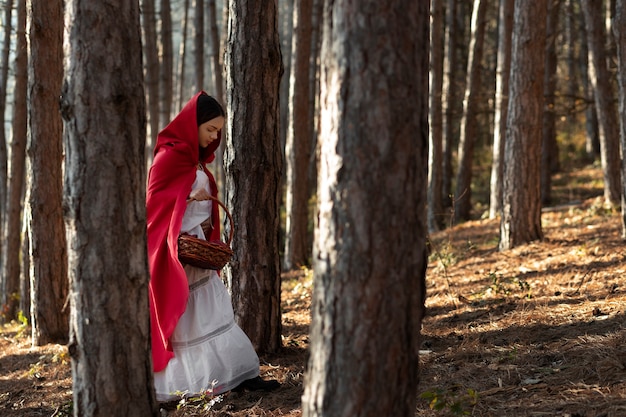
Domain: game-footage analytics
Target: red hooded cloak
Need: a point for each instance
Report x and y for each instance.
(171, 176)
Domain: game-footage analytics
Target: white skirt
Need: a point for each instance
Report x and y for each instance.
(210, 349)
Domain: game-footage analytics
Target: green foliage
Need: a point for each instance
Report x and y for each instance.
(201, 402)
(457, 404)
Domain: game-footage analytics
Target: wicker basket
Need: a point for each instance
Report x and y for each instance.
(206, 254)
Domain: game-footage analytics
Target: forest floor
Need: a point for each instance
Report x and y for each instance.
(539, 330)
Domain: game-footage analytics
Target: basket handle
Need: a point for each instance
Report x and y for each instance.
(230, 218)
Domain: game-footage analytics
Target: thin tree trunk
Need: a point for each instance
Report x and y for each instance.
(503, 69)
(521, 205)
(105, 181)
(253, 164)
(17, 173)
(199, 44)
(152, 72)
(218, 82)
(619, 28)
(182, 55)
(435, 149)
(469, 122)
(449, 96)
(550, 150)
(371, 225)
(167, 61)
(592, 142)
(298, 146)
(4, 76)
(48, 246)
(605, 104)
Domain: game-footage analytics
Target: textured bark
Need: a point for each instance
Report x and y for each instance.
(369, 253)
(592, 142)
(198, 42)
(4, 75)
(521, 206)
(48, 245)
(104, 112)
(15, 197)
(152, 72)
(619, 28)
(286, 33)
(253, 164)
(182, 55)
(167, 61)
(550, 150)
(469, 121)
(435, 146)
(505, 30)
(449, 96)
(604, 100)
(298, 145)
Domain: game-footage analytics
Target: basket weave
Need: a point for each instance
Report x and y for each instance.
(206, 254)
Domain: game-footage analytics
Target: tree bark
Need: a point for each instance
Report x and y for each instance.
(4, 75)
(550, 149)
(449, 96)
(604, 100)
(253, 164)
(521, 209)
(15, 195)
(370, 253)
(48, 245)
(105, 181)
(167, 61)
(199, 44)
(505, 30)
(469, 122)
(298, 146)
(619, 28)
(435, 141)
(152, 72)
(182, 55)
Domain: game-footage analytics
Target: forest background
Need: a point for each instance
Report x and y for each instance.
(186, 48)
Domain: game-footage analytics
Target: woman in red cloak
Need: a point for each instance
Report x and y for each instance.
(196, 344)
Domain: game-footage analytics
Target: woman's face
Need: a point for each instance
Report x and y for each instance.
(207, 132)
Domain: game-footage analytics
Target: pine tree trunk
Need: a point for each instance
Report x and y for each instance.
(48, 246)
(4, 75)
(620, 41)
(298, 146)
(435, 149)
(505, 30)
(449, 96)
(182, 55)
(152, 72)
(199, 45)
(105, 200)
(370, 253)
(167, 61)
(18, 171)
(253, 164)
(521, 205)
(469, 122)
(604, 100)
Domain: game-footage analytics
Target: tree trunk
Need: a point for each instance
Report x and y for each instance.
(449, 96)
(152, 72)
(370, 253)
(4, 75)
(592, 142)
(105, 181)
(48, 246)
(503, 68)
(286, 34)
(253, 164)
(550, 150)
(435, 149)
(521, 205)
(199, 44)
(18, 161)
(469, 122)
(572, 81)
(167, 61)
(604, 99)
(182, 55)
(298, 146)
(619, 28)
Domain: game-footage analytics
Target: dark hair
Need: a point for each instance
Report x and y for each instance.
(207, 108)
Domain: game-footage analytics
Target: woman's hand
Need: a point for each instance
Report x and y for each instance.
(199, 195)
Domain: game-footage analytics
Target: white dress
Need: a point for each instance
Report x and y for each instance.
(210, 349)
